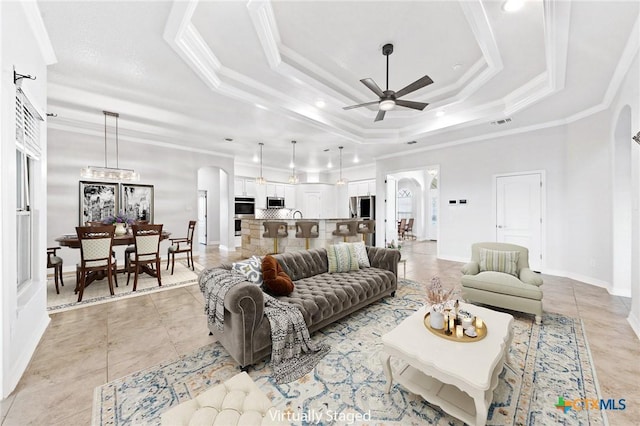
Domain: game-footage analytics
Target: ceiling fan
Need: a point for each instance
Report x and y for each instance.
(389, 99)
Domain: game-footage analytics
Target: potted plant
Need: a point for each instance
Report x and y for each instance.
(121, 220)
(436, 297)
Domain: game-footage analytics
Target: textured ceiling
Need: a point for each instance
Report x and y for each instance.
(194, 73)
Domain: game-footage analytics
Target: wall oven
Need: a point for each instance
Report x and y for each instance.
(245, 206)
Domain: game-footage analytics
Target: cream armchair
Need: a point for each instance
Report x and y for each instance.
(519, 292)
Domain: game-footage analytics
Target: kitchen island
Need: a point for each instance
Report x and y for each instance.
(253, 243)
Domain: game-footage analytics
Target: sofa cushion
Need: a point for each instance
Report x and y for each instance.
(276, 281)
(251, 268)
(303, 264)
(325, 295)
(342, 258)
(498, 282)
(361, 254)
(499, 261)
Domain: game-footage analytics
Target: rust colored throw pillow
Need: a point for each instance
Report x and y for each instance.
(275, 280)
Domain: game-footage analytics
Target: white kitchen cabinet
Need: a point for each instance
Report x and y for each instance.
(275, 190)
(244, 187)
(290, 196)
(362, 188)
(261, 196)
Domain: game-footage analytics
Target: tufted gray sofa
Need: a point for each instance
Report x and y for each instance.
(322, 298)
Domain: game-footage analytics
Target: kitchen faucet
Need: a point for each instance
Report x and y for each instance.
(293, 216)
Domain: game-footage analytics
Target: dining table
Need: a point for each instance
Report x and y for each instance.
(72, 241)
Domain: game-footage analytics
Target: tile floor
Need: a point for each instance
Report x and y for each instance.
(87, 347)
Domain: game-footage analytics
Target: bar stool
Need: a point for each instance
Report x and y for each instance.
(366, 227)
(349, 231)
(304, 229)
(272, 230)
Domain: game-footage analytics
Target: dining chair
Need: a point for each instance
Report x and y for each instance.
(130, 250)
(408, 230)
(182, 245)
(402, 228)
(147, 251)
(96, 244)
(55, 262)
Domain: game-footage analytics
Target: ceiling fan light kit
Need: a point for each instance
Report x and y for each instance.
(388, 99)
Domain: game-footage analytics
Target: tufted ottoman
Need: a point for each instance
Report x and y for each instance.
(238, 401)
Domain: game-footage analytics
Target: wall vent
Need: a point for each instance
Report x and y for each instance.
(411, 142)
(500, 122)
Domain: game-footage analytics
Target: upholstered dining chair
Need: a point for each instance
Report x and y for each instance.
(96, 244)
(55, 262)
(402, 227)
(408, 230)
(182, 245)
(130, 250)
(147, 251)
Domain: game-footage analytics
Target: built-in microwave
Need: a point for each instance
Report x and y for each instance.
(245, 206)
(275, 203)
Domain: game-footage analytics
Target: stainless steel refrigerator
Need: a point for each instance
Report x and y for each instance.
(363, 208)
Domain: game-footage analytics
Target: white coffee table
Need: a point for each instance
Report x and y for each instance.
(459, 377)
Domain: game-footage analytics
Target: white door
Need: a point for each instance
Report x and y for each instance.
(391, 227)
(311, 205)
(202, 217)
(519, 213)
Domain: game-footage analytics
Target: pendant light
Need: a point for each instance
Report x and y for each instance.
(293, 179)
(93, 172)
(260, 180)
(341, 181)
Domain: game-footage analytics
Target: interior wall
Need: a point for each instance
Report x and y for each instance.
(175, 184)
(467, 172)
(209, 180)
(23, 315)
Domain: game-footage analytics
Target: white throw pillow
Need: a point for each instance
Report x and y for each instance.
(250, 268)
(361, 254)
(342, 258)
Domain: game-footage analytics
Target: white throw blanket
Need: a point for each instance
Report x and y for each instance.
(293, 354)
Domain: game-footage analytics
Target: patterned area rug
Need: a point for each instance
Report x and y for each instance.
(547, 362)
(98, 291)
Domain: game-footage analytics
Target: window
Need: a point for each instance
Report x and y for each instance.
(28, 123)
(405, 203)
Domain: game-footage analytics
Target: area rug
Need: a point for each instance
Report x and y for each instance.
(547, 362)
(98, 291)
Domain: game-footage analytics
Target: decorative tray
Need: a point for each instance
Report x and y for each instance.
(481, 332)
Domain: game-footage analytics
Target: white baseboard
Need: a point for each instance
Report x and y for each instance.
(453, 258)
(634, 323)
(579, 277)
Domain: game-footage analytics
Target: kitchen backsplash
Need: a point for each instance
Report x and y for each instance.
(273, 214)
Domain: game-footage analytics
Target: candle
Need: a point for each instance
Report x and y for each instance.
(466, 323)
(446, 321)
(459, 331)
(452, 323)
(479, 323)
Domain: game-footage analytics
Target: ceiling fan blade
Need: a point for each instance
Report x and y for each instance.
(372, 86)
(411, 104)
(380, 116)
(361, 105)
(418, 84)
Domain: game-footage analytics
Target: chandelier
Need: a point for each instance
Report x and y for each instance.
(260, 180)
(95, 172)
(341, 181)
(293, 179)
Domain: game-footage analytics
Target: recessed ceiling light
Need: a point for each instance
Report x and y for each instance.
(228, 139)
(356, 159)
(440, 114)
(329, 165)
(326, 150)
(412, 142)
(320, 103)
(512, 5)
(255, 158)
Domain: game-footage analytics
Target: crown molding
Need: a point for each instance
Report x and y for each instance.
(34, 17)
(131, 136)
